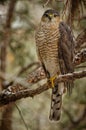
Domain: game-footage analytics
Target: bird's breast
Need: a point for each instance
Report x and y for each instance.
(47, 43)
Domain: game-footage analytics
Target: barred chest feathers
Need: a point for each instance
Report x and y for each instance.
(47, 39)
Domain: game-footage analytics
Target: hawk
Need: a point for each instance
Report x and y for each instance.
(55, 48)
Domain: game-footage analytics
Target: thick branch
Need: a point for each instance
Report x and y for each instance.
(9, 95)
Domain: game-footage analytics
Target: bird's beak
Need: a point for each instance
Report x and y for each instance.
(50, 16)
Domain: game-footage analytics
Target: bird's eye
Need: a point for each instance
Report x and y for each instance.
(46, 15)
(55, 15)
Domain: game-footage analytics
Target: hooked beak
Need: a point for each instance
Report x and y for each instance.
(50, 16)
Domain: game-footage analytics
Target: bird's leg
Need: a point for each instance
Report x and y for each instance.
(52, 80)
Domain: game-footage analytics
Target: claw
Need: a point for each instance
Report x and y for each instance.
(52, 80)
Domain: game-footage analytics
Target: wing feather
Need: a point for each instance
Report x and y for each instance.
(66, 51)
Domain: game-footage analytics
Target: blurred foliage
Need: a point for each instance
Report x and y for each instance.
(22, 51)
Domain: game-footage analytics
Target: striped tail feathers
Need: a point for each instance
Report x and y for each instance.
(56, 103)
(69, 86)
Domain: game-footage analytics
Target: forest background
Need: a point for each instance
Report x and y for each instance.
(19, 63)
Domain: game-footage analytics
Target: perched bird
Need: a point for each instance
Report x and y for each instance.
(55, 48)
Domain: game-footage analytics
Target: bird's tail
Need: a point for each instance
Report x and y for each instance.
(56, 103)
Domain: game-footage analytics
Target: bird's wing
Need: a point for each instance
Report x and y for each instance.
(66, 51)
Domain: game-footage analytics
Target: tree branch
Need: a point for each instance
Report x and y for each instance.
(46, 3)
(80, 57)
(12, 94)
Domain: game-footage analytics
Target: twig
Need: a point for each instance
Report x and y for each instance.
(28, 67)
(69, 76)
(7, 84)
(82, 117)
(46, 3)
(81, 66)
(21, 116)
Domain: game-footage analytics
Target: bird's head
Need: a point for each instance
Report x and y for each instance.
(50, 15)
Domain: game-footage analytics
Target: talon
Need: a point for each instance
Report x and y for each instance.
(52, 80)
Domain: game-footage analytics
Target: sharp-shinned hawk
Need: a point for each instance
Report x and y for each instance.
(55, 47)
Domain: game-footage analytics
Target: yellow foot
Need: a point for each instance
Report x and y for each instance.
(52, 80)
